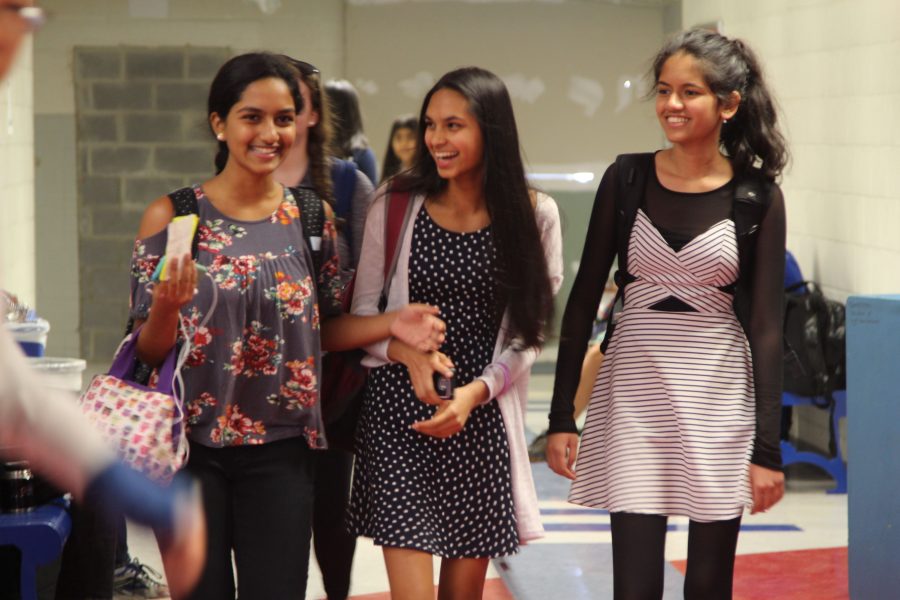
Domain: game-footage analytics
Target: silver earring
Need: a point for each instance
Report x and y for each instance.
(724, 121)
(220, 137)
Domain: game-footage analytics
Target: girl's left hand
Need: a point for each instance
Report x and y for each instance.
(419, 326)
(179, 289)
(767, 487)
(451, 415)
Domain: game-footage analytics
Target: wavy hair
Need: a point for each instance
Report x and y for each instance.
(233, 78)
(752, 137)
(522, 276)
(318, 141)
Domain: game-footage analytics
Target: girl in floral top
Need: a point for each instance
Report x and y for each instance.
(251, 380)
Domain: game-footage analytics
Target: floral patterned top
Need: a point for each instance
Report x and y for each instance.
(252, 374)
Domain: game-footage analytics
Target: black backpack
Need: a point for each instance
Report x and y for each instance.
(814, 343)
(751, 201)
(343, 176)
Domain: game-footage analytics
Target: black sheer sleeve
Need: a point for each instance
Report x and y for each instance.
(766, 319)
(584, 300)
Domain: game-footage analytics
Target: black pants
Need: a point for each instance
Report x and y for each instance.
(258, 502)
(334, 544)
(639, 557)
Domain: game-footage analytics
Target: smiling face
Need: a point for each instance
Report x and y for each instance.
(688, 111)
(403, 143)
(12, 30)
(453, 136)
(260, 128)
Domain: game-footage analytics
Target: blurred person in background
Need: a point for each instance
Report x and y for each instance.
(350, 141)
(401, 148)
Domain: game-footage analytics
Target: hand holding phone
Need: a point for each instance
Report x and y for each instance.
(180, 236)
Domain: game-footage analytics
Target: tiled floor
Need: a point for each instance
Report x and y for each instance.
(796, 551)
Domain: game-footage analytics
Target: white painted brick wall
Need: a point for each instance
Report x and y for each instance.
(832, 65)
(17, 180)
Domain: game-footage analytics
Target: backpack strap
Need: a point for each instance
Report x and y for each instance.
(184, 201)
(632, 171)
(751, 203)
(312, 218)
(343, 176)
(397, 211)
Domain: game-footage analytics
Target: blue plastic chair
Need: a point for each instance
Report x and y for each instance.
(40, 535)
(835, 465)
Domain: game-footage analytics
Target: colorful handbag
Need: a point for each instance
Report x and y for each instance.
(143, 424)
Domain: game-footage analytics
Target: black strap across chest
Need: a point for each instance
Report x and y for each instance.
(750, 203)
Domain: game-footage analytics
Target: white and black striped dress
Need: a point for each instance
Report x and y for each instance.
(671, 419)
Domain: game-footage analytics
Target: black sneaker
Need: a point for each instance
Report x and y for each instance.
(136, 580)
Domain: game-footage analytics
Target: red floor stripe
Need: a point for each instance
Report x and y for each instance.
(494, 589)
(819, 574)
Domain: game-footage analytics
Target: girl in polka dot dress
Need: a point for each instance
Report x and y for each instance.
(451, 478)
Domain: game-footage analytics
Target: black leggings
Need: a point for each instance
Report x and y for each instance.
(333, 542)
(639, 557)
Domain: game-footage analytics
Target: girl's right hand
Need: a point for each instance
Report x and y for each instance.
(419, 326)
(179, 289)
(562, 451)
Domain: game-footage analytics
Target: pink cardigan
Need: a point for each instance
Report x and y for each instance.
(506, 377)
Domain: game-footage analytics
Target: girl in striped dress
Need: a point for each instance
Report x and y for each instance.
(684, 414)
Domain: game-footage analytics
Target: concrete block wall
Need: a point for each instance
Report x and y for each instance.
(141, 132)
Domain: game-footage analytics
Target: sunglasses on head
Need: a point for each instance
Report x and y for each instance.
(33, 16)
(305, 68)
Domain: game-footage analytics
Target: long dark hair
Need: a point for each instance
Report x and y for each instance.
(318, 141)
(346, 119)
(234, 77)
(523, 280)
(752, 136)
(391, 165)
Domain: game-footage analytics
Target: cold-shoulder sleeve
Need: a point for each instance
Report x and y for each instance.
(144, 259)
(765, 332)
(584, 300)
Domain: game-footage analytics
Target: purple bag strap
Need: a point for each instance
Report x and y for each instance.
(123, 365)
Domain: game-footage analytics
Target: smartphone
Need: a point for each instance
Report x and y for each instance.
(180, 236)
(444, 386)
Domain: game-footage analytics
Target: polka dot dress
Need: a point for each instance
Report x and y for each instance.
(448, 497)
